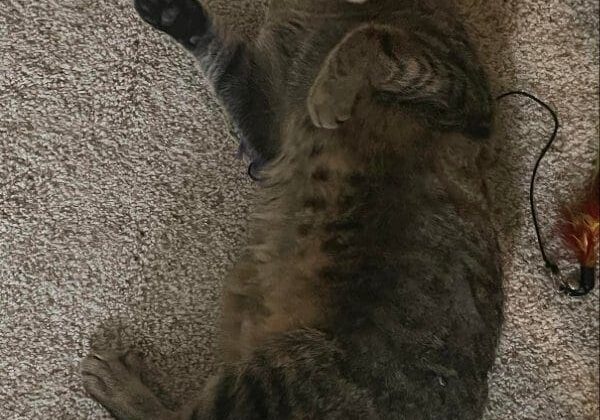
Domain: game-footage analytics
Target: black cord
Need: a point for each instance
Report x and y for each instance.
(549, 263)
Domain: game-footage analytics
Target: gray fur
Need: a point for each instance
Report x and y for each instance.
(371, 287)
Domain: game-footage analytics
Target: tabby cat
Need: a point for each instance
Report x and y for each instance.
(371, 286)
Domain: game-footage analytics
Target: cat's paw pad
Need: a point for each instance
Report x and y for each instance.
(152, 11)
(330, 103)
(175, 16)
(113, 379)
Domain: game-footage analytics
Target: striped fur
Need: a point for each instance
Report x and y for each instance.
(370, 288)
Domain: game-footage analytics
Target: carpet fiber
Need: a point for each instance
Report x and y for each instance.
(122, 203)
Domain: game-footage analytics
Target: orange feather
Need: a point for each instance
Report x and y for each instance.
(580, 229)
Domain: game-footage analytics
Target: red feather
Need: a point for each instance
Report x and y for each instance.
(580, 228)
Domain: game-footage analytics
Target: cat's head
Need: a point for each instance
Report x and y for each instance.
(319, 7)
(313, 3)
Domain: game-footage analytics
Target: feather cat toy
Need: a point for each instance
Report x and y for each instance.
(580, 233)
(580, 225)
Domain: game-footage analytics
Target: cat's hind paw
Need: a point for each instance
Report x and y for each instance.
(114, 380)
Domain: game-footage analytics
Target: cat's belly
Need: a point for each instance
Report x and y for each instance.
(272, 296)
(334, 246)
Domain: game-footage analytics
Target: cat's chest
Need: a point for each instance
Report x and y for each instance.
(296, 229)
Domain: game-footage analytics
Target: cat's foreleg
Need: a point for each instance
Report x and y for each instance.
(235, 69)
(450, 94)
(342, 76)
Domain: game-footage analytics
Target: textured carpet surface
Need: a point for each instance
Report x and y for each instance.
(122, 203)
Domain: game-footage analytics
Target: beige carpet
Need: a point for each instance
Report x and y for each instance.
(122, 204)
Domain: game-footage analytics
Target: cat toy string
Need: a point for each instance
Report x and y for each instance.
(586, 285)
(549, 263)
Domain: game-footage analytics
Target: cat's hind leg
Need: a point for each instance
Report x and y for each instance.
(294, 375)
(234, 67)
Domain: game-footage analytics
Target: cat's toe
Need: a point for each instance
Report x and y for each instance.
(104, 373)
(113, 379)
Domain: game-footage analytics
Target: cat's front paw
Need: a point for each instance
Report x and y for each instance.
(114, 380)
(182, 19)
(152, 11)
(330, 102)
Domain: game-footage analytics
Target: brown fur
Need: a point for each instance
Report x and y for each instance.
(370, 287)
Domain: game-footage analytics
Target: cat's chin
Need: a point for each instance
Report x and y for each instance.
(318, 5)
